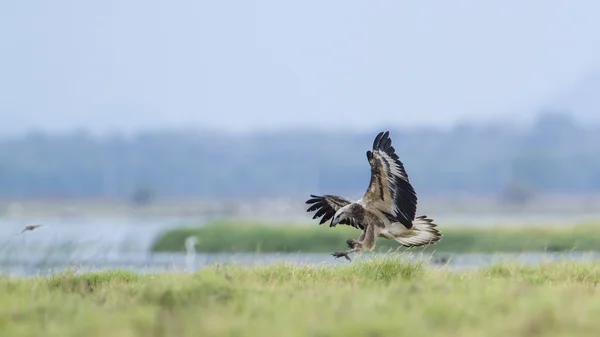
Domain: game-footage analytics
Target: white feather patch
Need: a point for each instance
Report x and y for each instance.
(424, 232)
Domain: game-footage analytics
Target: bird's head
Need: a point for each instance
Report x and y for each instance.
(341, 215)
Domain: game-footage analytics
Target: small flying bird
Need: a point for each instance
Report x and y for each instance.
(387, 209)
(30, 228)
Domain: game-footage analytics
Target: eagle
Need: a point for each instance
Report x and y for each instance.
(386, 210)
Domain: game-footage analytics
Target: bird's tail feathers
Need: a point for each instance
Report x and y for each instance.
(423, 232)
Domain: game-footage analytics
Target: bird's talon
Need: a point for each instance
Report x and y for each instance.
(340, 254)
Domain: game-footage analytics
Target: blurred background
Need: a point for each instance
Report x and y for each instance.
(123, 120)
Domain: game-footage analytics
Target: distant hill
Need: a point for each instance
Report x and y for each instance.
(556, 155)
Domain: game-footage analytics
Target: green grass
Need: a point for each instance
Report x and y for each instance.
(383, 297)
(254, 237)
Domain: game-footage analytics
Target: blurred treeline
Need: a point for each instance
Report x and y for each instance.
(556, 155)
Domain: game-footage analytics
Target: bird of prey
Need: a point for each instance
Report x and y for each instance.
(386, 210)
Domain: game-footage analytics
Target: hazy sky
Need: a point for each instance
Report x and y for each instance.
(261, 64)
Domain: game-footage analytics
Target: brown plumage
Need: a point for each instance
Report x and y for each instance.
(387, 209)
(30, 228)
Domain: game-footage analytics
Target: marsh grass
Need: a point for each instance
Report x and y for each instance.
(256, 237)
(383, 297)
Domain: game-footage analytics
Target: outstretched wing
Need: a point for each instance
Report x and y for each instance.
(389, 189)
(327, 205)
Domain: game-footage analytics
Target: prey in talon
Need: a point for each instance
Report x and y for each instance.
(387, 209)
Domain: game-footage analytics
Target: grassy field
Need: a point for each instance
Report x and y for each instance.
(384, 297)
(255, 237)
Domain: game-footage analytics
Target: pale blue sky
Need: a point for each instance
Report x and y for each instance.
(241, 65)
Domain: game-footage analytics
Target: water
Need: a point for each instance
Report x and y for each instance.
(89, 244)
(37, 265)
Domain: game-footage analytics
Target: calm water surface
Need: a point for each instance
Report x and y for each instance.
(87, 244)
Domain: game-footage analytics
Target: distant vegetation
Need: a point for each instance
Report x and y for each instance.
(254, 237)
(384, 297)
(556, 155)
